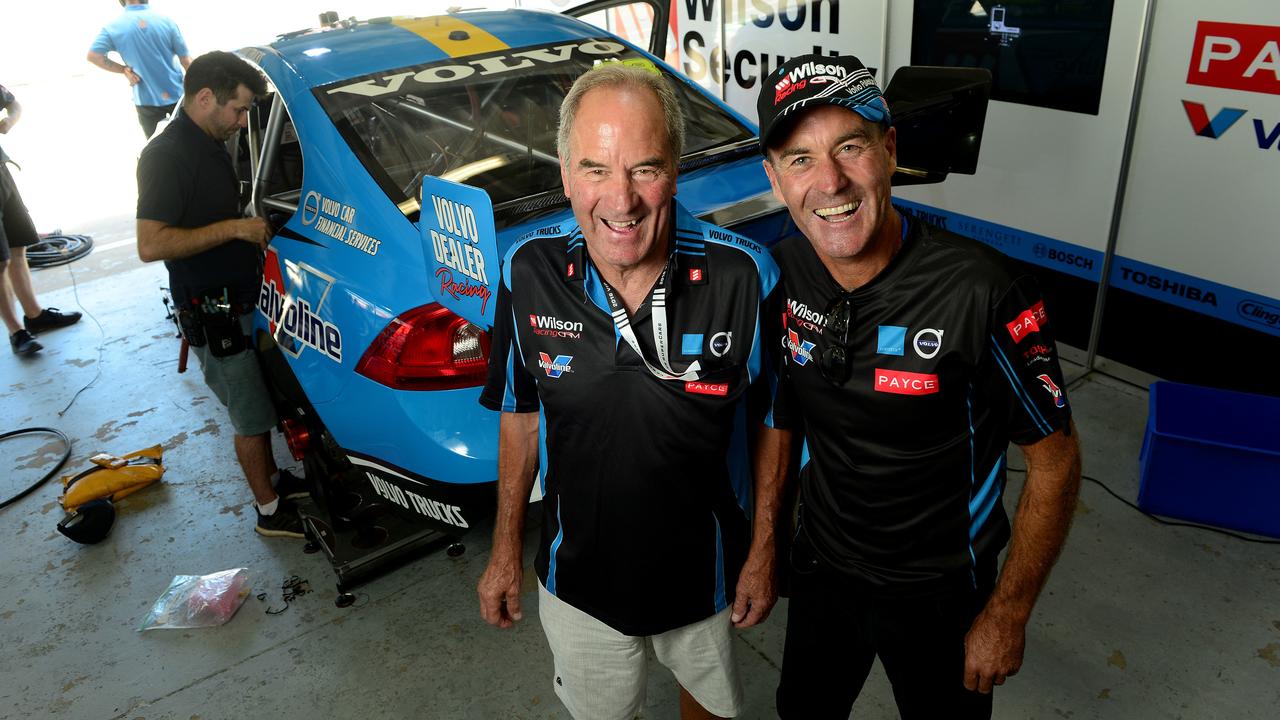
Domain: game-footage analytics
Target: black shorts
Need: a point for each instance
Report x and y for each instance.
(16, 230)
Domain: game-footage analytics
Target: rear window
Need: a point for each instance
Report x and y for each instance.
(488, 121)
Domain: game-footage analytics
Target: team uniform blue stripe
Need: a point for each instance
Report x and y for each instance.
(984, 501)
(719, 599)
(756, 358)
(555, 547)
(544, 462)
(508, 392)
(1032, 411)
(973, 461)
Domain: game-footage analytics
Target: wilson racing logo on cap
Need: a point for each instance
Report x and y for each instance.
(905, 383)
(555, 368)
(802, 75)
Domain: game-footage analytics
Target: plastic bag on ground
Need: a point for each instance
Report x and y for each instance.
(194, 601)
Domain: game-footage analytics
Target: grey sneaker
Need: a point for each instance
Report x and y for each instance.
(284, 522)
(24, 344)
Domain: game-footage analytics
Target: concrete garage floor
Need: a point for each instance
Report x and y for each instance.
(1139, 620)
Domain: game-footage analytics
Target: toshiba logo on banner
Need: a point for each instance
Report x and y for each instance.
(1236, 57)
(906, 383)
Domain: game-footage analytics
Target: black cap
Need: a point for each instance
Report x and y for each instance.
(813, 80)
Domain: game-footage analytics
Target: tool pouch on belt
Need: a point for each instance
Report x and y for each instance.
(191, 327)
(220, 319)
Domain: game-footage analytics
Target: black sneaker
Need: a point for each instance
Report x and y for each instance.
(24, 344)
(284, 522)
(292, 487)
(50, 318)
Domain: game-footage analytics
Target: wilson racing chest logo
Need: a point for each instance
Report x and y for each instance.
(551, 326)
(805, 317)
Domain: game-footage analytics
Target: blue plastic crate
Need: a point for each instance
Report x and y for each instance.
(1212, 456)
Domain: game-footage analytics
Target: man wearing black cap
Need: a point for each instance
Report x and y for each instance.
(913, 357)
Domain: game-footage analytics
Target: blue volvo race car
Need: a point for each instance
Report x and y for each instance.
(398, 159)
(375, 304)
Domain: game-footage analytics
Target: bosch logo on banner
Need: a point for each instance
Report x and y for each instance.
(1236, 57)
(906, 383)
(1053, 389)
(1027, 322)
(555, 368)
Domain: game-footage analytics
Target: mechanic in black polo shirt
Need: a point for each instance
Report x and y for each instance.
(913, 357)
(189, 216)
(632, 339)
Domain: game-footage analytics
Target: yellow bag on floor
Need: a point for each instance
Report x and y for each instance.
(112, 477)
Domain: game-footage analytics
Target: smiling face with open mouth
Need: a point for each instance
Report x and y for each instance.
(620, 177)
(832, 168)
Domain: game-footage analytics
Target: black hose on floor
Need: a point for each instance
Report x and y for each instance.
(58, 249)
(66, 453)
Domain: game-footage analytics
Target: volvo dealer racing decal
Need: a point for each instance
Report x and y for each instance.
(294, 311)
(460, 244)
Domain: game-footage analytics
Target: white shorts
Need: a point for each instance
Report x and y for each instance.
(600, 673)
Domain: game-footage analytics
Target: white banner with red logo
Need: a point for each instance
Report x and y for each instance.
(1201, 219)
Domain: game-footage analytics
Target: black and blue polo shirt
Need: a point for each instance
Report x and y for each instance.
(951, 357)
(645, 481)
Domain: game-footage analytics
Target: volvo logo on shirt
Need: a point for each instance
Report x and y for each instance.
(928, 342)
(808, 319)
(801, 350)
(1053, 390)
(551, 326)
(555, 368)
(720, 343)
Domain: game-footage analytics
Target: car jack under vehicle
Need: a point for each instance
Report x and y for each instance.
(361, 537)
(359, 532)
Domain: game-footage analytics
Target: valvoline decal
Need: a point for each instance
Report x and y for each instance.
(461, 248)
(293, 314)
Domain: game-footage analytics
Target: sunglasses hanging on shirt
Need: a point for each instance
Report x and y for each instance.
(834, 362)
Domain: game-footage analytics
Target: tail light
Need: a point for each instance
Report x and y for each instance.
(296, 436)
(427, 348)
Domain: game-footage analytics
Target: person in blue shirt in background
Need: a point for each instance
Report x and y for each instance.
(148, 42)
